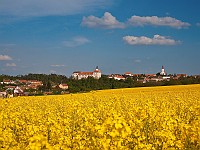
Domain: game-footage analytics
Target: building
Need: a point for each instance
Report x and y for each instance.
(128, 74)
(181, 75)
(83, 75)
(163, 73)
(143, 80)
(18, 91)
(116, 77)
(3, 94)
(23, 81)
(7, 81)
(63, 86)
(150, 75)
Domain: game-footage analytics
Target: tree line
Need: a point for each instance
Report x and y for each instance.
(89, 84)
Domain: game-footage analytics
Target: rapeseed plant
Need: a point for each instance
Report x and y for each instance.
(139, 118)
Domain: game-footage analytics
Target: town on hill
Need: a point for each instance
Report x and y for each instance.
(42, 84)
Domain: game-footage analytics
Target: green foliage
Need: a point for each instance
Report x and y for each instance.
(89, 84)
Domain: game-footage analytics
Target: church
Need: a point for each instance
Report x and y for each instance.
(163, 73)
(96, 74)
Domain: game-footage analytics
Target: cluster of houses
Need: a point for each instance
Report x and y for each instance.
(17, 87)
(144, 78)
(20, 87)
(27, 84)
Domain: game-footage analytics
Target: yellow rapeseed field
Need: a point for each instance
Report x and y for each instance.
(138, 118)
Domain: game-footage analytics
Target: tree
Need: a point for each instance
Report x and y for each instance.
(129, 82)
(49, 86)
(158, 74)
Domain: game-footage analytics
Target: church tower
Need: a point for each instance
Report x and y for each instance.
(97, 73)
(163, 73)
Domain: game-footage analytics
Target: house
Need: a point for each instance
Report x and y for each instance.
(138, 75)
(143, 80)
(63, 86)
(181, 75)
(116, 77)
(166, 78)
(7, 81)
(18, 91)
(150, 75)
(119, 77)
(35, 82)
(128, 74)
(83, 75)
(9, 87)
(177, 76)
(156, 79)
(23, 81)
(3, 94)
(196, 76)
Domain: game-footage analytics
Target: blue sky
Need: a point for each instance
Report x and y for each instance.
(137, 36)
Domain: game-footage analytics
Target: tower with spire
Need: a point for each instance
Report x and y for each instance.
(163, 73)
(97, 73)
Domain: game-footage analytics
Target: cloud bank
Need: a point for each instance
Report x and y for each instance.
(26, 8)
(157, 21)
(107, 22)
(5, 57)
(76, 41)
(137, 61)
(57, 65)
(11, 65)
(198, 24)
(156, 40)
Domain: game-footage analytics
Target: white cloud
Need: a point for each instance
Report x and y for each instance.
(137, 61)
(57, 65)
(5, 57)
(198, 24)
(76, 41)
(11, 65)
(107, 21)
(7, 45)
(156, 40)
(27, 8)
(157, 21)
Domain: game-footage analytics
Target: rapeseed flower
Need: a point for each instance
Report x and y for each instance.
(139, 118)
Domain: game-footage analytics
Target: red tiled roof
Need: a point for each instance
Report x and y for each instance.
(181, 74)
(151, 75)
(33, 81)
(97, 70)
(23, 81)
(128, 73)
(86, 73)
(6, 80)
(9, 87)
(117, 76)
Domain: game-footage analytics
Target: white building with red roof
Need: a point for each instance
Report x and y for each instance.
(116, 77)
(83, 75)
(63, 86)
(128, 74)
